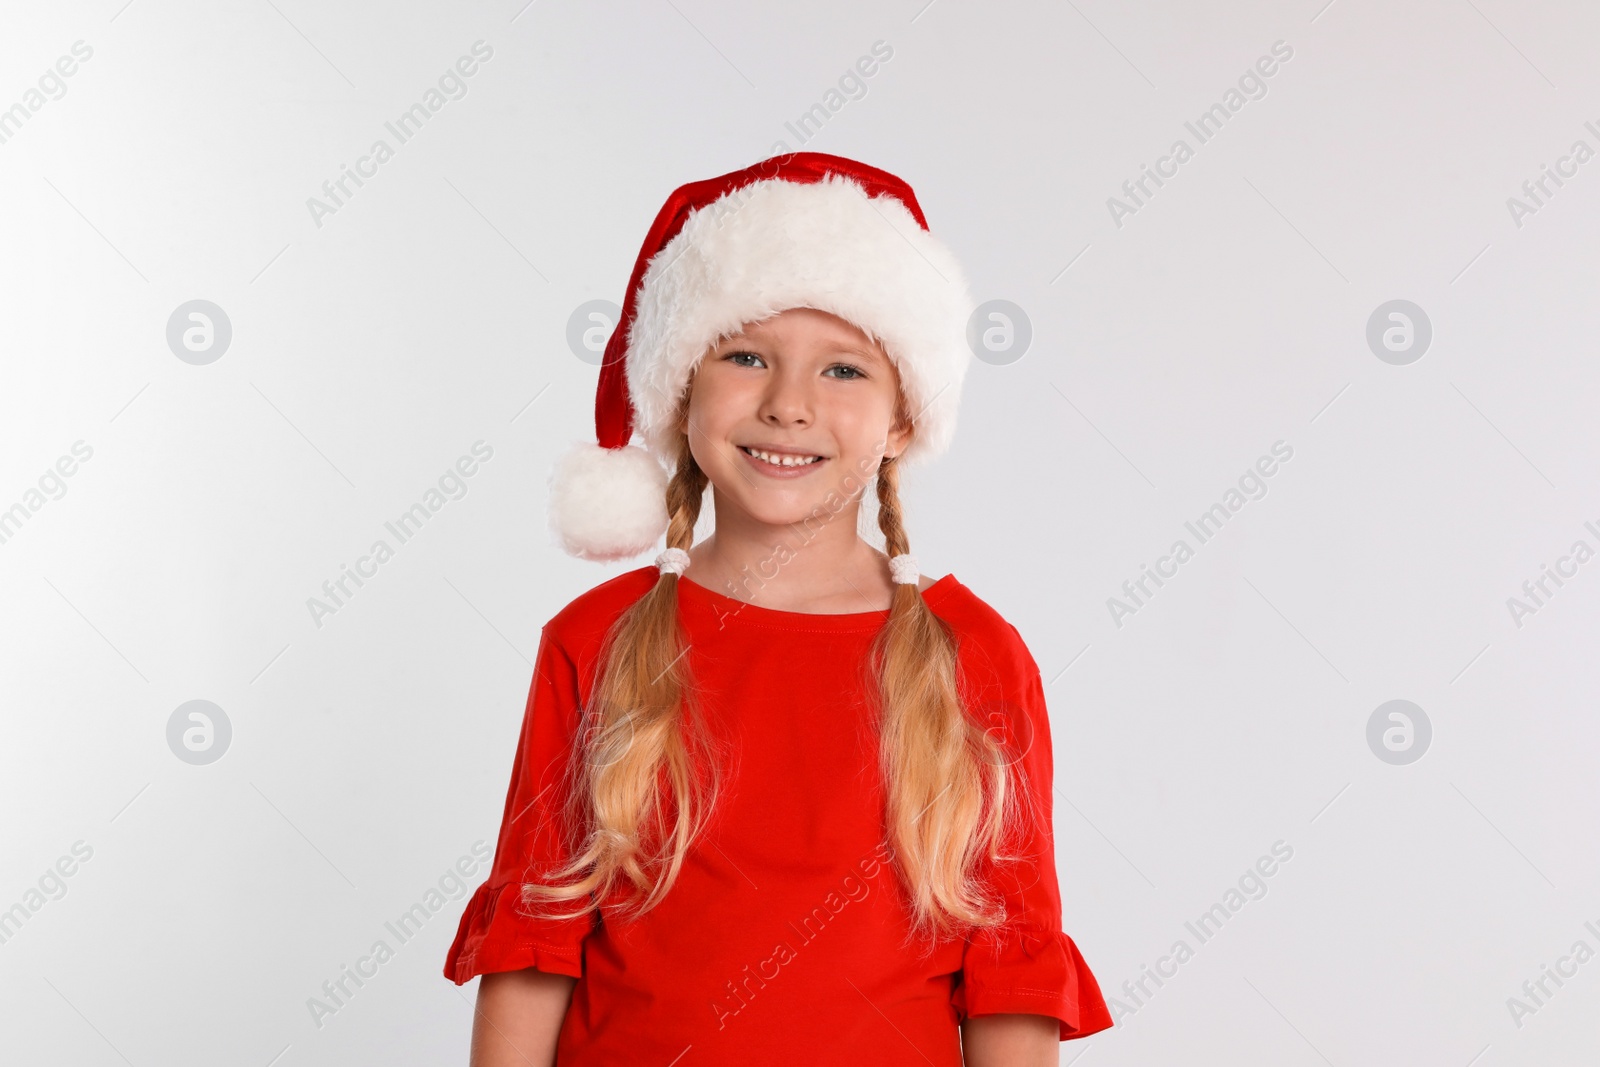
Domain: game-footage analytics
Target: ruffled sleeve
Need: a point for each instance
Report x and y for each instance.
(1030, 966)
(496, 933)
(1031, 971)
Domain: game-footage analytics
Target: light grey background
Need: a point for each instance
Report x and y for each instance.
(431, 311)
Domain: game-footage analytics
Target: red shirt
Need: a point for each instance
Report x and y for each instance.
(783, 939)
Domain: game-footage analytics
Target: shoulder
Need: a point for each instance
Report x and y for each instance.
(999, 680)
(988, 644)
(582, 624)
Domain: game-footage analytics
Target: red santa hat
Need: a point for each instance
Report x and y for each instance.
(803, 229)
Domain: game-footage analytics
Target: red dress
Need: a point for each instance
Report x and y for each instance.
(782, 940)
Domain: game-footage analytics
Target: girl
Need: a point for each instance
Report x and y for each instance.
(777, 798)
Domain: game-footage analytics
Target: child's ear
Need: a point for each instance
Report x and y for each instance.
(688, 392)
(683, 408)
(903, 429)
(899, 438)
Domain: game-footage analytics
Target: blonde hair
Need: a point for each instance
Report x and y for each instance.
(646, 774)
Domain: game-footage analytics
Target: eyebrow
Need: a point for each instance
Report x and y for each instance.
(868, 354)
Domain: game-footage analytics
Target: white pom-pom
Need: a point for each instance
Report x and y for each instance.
(608, 503)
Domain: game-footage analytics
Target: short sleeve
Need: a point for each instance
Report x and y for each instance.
(1030, 966)
(496, 933)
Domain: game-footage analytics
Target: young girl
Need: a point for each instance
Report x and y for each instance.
(777, 798)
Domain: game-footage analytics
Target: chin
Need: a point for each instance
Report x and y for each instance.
(782, 508)
(774, 513)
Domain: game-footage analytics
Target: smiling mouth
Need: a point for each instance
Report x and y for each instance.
(781, 459)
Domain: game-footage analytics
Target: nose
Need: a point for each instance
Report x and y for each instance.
(788, 400)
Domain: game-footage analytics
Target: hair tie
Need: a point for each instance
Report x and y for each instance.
(673, 561)
(903, 569)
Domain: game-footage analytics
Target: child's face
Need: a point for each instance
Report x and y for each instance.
(801, 384)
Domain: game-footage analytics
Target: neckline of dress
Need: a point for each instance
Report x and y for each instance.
(724, 606)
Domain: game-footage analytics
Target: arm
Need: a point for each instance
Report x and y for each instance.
(1010, 1041)
(518, 1017)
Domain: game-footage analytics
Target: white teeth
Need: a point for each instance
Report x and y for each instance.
(783, 460)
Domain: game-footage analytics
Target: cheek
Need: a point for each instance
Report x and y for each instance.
(706, 402)
(864, 425)
(712, 413)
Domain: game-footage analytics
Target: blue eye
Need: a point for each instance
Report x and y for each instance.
(743, 358)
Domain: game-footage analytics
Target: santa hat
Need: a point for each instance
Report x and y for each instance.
(803, 229)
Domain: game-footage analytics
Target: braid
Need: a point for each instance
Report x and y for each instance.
(646, 774)
(949, 794)
(685, 493)
(889, 519)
